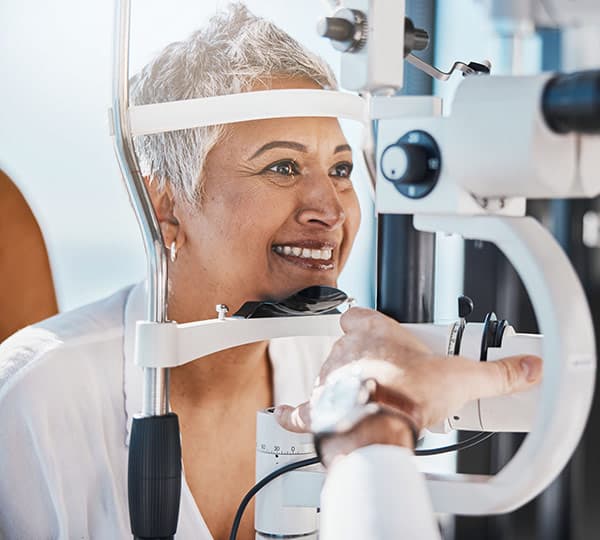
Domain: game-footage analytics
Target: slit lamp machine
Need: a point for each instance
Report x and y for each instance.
(507, 139)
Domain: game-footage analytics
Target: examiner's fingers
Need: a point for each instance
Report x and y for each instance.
(367, 324)
(356, 318)
(499, 377)
(294, 418)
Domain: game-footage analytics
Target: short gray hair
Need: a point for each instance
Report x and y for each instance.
(235, 50)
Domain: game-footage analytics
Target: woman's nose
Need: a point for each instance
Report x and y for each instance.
(321, 205)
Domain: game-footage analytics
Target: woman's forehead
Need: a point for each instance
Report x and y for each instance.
(310, 132)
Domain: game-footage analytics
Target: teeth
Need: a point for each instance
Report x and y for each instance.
(305, 253)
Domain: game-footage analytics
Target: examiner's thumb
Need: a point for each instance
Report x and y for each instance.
(294, 418)
(508, 375)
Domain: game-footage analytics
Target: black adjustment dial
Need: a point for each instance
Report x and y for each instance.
(412, 164)
(465, 306)
(404, 163)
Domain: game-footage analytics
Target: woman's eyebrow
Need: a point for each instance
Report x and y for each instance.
(280, 144)
(342, 148)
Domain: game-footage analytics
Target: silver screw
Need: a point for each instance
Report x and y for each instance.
(222, 310)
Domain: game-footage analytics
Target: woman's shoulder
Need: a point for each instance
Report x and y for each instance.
(66, 338)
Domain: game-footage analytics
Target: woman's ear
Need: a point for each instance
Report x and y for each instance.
(163, 202)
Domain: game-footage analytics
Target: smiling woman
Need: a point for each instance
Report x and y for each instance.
(248, 211)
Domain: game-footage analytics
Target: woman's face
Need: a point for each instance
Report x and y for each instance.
(279, 213)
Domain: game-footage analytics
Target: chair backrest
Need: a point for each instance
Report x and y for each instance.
(26, 287)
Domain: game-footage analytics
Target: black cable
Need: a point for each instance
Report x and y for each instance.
(261, 484)
(463, 445)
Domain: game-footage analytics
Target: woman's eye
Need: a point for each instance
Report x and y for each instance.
(284, 168)
(342, 170)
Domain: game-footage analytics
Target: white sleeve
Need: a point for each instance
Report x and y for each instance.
(377, 492)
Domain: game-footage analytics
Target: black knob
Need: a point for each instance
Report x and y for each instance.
(405, 163)
(415, 39)
(336, 28)
(347, 29)
(413, 164)
(465, 306)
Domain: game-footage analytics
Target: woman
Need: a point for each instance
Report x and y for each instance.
(248, 211)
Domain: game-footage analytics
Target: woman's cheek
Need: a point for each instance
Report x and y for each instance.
(353, 218)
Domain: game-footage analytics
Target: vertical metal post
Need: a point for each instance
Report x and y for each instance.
(405, 256)
(156, 387)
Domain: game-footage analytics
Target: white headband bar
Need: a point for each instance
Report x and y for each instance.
(210, 111)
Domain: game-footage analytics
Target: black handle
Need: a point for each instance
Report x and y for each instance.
(154, 477)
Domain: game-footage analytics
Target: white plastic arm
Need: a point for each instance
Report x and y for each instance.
(569, 367)
(172, 344)
(209, 111)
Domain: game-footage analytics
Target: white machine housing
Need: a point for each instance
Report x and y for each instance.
(496, 151)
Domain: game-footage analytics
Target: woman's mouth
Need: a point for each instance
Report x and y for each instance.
(308, 255)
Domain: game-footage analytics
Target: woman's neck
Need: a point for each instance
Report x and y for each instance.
(240, 375)
(225, 380)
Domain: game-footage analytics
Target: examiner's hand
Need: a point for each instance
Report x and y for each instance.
(439, 385)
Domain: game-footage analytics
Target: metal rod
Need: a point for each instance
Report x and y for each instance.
(156, 381)
(436, 73)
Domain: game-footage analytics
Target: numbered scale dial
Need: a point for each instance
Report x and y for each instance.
(287, 507)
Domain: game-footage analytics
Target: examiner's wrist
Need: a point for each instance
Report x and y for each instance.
(380, 428)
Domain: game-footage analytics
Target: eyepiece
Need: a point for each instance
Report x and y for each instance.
(571, 103)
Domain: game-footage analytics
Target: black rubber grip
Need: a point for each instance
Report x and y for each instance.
(154, 477)
(571, 103)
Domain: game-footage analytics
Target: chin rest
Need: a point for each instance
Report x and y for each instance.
(316, 300)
